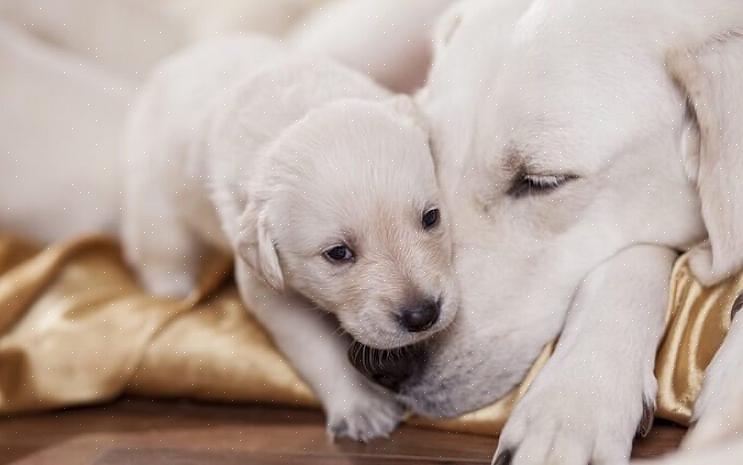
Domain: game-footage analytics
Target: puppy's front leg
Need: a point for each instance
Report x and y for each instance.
(157, 244)
(586, 404)
(718, 411)
(354, 408)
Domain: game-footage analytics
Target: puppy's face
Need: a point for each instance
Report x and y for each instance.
(556, 150)
(358, 223)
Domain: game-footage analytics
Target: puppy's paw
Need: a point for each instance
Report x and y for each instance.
(564, 422)
(364, 416)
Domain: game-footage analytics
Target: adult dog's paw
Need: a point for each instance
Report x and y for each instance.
(364, 416)
(559, 424)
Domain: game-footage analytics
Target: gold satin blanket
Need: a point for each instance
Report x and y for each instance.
(76, 329)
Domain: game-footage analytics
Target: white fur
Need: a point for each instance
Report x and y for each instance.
(710, 74)
(242, 145)
(562, 418)
(587, 91)
(390, 40)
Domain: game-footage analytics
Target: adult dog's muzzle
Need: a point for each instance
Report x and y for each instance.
(390, 368)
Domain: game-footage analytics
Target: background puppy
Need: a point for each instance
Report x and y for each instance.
(390, 40)
(320, 182)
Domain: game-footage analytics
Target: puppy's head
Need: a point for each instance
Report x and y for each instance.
(349, 216)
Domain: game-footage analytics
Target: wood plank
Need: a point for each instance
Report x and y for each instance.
(181, 432)
(179, 457)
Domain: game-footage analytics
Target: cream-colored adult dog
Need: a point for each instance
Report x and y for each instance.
(580, 145)
(323, 186)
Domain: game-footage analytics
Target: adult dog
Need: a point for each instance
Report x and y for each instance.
(581, 145)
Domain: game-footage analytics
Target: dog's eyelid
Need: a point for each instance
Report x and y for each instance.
(429, 206)
(525, 183)
(344, 238)
(548, 180)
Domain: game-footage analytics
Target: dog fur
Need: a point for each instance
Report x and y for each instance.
(244, 146)
(580, 145)
(387, 39)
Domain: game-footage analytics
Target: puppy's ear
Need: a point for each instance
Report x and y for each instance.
(712, 78)
(405, 106)
(256, 247)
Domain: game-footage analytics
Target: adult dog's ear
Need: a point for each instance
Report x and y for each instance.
(712, 78)
(256, 247)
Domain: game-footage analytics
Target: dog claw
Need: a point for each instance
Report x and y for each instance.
(339, 429)
(648, 415)
(737, 306)
(504, 458)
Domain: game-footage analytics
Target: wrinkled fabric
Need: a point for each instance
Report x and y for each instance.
(77, 329)
(698, 319)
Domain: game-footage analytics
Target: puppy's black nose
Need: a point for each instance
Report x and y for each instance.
(421, 316)
(388, 368)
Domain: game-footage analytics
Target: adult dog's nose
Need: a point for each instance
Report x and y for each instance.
(421, 316)
(388, 368)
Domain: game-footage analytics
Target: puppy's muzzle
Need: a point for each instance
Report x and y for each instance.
(391, 368)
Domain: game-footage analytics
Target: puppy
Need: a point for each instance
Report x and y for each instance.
(323, 186)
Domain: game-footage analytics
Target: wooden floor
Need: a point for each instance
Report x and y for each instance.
(143, 432)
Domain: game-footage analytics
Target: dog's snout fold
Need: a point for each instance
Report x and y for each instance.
(389, 368)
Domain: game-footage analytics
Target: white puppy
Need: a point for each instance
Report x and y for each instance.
(323, 186)
(580, 145)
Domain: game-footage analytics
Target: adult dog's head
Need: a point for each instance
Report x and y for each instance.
(565, 132)
(347, 213)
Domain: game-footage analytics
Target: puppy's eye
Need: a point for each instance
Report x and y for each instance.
(339, 254)
(532, 184)
(430, 218)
